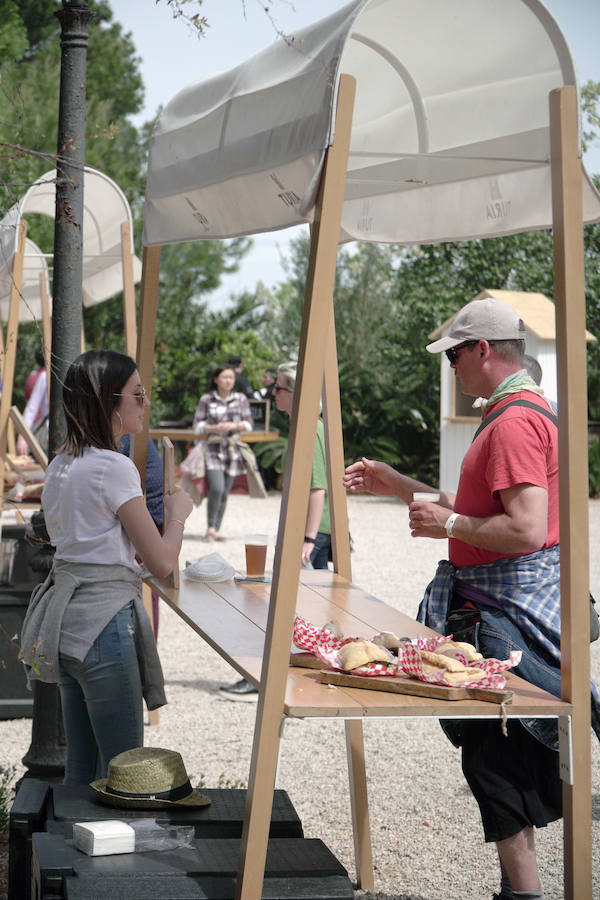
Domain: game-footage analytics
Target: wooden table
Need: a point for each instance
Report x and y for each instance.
(232, 618)
(188, 434)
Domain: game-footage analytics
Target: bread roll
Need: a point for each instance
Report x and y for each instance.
(442, 662)
(451, 648)
(463, 677)
(359, 653)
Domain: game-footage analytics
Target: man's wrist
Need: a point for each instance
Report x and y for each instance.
(309, 540)
(450, 523)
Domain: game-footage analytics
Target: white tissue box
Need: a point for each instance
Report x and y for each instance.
(103, 838)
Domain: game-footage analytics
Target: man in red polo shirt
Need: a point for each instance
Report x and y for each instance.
(500, 588)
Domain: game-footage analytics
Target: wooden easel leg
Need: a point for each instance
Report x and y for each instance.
(145, 347)
(569, 286)
(128, 290)
(153, 714)
(318, 309)
(334, 451)
(355, 749)
(10, 355)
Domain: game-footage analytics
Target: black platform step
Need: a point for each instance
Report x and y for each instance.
(41, 806)
(223, 818)
(295, 868)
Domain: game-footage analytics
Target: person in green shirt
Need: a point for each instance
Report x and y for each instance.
(317, 532)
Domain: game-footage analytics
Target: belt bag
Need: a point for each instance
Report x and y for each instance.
(594, 624)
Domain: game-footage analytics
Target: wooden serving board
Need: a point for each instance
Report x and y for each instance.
(415, 687)
(305, 660)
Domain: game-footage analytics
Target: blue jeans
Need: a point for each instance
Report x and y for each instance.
(102, 701)
(219, 485)
(320, 555)
(497, 637)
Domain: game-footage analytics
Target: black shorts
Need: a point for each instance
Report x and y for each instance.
(514, 779)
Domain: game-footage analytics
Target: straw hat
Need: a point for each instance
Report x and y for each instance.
(147, 777)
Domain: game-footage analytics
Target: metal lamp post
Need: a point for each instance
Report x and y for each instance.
(46, 753)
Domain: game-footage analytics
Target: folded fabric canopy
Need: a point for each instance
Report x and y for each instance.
(34, 265)
(450, 136)
(105, 209)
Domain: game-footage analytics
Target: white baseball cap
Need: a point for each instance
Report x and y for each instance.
(487, 319)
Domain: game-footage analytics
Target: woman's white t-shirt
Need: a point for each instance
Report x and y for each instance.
(80, 500)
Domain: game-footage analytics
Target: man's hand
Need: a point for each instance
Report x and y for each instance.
(371, 476)
(427, 519)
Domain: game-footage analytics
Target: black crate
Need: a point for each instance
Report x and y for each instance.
(296, 869)
(20, 552)
(222, 819)
(28, 814)
(41, 806)
(16, 701)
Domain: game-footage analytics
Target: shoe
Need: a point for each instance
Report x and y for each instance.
(219, 537)
(241, 690)
(209, 536)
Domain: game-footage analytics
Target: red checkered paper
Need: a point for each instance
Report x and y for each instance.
(323, 644)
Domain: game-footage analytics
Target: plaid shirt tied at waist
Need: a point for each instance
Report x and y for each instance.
(527, 587)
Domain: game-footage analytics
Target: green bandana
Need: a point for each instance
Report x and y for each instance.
(519, 381)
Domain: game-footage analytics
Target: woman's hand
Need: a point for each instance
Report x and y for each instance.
(372, 476)
(178, 505)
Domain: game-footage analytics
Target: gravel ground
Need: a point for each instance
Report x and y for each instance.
(427, 838)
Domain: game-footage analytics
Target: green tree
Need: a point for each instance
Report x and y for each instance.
(29, 94)
(13, 34)
(388, 300)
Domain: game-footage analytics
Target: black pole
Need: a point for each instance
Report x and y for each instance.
(67, 290)
(46, 755)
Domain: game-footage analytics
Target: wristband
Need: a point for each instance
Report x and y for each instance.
(308, 540)
(450, 523)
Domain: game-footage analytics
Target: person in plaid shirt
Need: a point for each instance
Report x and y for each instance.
(221, 416)
(500, 588)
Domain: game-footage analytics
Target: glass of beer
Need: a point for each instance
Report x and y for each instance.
(256, 554)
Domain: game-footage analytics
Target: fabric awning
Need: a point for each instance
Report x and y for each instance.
(450, 135)
(105, 209)
(34, 265)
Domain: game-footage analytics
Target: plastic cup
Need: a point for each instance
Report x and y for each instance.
(426, 496)
(256, 554)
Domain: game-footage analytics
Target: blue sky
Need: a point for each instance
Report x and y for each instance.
(173, 57)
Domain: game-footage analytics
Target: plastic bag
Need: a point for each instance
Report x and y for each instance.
(150, 834)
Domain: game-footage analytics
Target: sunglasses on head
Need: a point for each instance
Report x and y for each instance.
(453, 352)
(140, 396)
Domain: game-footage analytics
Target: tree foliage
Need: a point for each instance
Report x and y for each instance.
(388, 300)
(191, 337)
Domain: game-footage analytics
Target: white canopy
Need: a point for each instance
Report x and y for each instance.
(105, 209)
(34, 265)
(450, 134)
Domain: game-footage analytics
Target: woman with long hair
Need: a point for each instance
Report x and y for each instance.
(222, 415)
(86, 626)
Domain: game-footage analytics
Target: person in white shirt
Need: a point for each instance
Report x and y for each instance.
(35, 414)
(86, 627)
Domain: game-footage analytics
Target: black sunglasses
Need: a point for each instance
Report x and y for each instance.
(278, 387)
(453, 352)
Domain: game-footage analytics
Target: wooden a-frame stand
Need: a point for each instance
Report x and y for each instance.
(317, 372)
